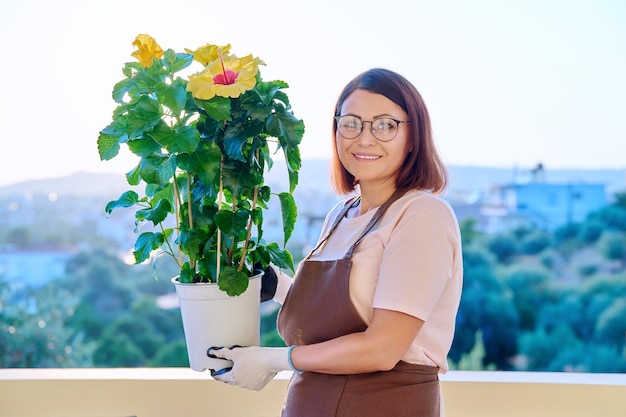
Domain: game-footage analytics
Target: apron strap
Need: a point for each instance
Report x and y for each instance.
(349, 204)
(375, 219)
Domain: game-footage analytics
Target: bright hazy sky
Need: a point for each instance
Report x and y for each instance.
(508, 83)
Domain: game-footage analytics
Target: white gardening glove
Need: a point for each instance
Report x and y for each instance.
(253, 367)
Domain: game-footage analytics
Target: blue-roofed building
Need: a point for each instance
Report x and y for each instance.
(542, 204)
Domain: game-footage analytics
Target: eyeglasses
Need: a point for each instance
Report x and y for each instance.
(384, 129)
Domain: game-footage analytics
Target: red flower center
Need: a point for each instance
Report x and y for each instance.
(227, 77)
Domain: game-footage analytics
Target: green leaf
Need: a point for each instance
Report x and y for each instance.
(233, 282)
(187, 275)
(144, 147)
(257, 218)
(156, 214)
(179, 139)
(143, 115)
(128, 199)
(268, 90)
(191, 241)
(173, 96)
(145, 244)
(289, 212)
(132, 177)
(207, 266)
(157, 170)
(121, 88)
(280, 257)
(108, 146)
(231, 222)
(294, 162)
(234, 140)
(205, 163)
(180, 61)
(217, 108)
(281, 96)
(238, 177)
(285, 125)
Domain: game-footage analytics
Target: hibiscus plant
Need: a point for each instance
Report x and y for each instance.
(204, 142)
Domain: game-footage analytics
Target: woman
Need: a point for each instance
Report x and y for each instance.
(370, 314)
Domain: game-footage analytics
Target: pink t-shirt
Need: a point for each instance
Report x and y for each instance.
(411, 262)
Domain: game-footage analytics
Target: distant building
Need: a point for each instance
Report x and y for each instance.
(540, 204)
(33, 265)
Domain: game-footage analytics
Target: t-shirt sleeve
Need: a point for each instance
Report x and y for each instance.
(418, 258)
(283, 285)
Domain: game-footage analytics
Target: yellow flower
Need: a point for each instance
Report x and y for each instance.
(227, 76)
(147, 49)
(208, 53)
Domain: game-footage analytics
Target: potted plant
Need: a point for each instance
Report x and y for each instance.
(205, 142)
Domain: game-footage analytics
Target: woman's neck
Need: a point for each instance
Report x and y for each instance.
(371, 198)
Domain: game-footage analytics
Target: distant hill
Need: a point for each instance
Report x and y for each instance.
(79, 184)
(315, 175)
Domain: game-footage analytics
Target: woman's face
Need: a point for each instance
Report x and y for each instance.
(371, 161)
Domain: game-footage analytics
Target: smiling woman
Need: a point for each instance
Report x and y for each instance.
(369, 317)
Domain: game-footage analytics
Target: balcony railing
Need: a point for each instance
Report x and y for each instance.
(181, 392)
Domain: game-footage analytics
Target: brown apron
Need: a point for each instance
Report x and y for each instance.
(318, 308)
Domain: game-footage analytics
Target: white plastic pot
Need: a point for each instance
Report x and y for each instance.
(213, 318)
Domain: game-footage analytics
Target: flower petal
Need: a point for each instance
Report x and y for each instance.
(226, 77)
(147, 49)
(208, 53)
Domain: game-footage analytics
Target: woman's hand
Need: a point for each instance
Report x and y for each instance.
(253, 366)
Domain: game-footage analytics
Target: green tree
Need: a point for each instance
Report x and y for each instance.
(33, 332)
(529, 289)
(469, 234)
(474, 360)
(611, 324)
(590, 231)
(593, 358)
(535, 241)
(503, 247)
(613, 246)
(172, 354)
(539, 348)
(485, 308)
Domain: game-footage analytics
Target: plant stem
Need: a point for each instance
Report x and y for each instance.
(192, 260)
(219, 232)
(231, 250)
(249, 233)
(179, 261)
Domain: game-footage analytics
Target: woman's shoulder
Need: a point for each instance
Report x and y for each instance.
(420, 198)
(426, 203)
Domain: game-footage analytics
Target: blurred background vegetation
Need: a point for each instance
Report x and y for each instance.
(532, 300)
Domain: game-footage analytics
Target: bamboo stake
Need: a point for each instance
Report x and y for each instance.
(219, 232)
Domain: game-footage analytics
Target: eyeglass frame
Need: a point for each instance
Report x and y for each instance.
(399, 122)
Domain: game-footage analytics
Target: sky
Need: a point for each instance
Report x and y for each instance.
(507, 83)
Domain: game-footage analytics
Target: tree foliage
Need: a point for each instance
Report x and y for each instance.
(561, 308)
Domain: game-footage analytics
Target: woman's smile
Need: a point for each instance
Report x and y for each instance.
(366, 157)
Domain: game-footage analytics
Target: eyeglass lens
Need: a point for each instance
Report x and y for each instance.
(383, 129)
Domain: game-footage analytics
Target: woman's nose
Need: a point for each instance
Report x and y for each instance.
(366, 138)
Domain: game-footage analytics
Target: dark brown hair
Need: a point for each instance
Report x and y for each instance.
(423, 168)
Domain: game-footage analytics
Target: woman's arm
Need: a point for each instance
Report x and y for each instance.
(379, 348)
